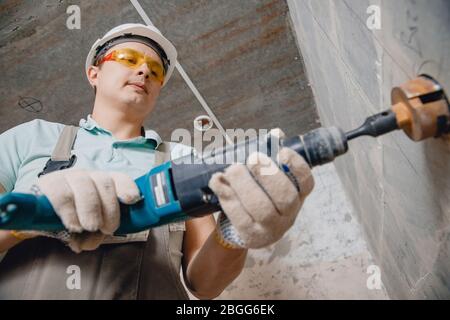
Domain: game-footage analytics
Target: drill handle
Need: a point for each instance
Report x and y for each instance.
(23, 211)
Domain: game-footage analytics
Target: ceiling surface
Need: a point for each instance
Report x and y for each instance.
(241, 55)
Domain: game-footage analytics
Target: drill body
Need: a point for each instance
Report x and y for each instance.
(178, 190)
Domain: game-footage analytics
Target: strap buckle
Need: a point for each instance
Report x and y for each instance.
(52, 165)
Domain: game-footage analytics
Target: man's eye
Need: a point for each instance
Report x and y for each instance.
(127, 58)
(156, 71)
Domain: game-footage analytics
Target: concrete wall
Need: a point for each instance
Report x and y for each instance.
(400, 189)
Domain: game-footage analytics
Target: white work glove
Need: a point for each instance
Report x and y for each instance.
(260, 207)
(86, 202)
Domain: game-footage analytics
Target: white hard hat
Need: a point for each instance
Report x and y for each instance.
(139, 30)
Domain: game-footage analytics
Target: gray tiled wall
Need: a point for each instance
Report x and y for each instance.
(400, 189)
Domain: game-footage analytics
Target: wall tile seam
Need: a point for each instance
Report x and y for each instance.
(356, 84)
(308, 66)
(362, 95)
(365, 98)
(425, 277)
(380, 43)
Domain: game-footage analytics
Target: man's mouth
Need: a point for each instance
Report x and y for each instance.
(138, 85)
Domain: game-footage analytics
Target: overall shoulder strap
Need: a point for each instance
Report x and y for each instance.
(163, 153)
(61, 157)
(63, 148)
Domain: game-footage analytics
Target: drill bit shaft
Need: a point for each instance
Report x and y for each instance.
(375, 125)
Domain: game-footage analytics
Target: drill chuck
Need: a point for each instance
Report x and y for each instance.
(319, 146)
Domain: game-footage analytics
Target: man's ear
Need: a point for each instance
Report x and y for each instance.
(92, 74)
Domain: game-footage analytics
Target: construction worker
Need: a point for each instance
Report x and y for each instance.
(83, 171)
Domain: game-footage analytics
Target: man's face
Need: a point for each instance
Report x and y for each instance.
(134, 88)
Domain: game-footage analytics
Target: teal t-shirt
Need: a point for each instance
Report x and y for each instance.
(26, 148)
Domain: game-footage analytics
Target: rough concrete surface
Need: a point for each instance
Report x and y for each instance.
(400, 189)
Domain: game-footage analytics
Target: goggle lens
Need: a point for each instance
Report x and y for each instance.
(133, 59)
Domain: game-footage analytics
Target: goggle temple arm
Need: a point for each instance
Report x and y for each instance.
(108, 57)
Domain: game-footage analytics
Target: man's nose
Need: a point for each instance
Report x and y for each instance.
(144, 70)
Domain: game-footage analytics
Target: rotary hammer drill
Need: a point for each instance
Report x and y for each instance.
(178, 190)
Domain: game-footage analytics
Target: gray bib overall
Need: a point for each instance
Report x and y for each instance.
(43, 268)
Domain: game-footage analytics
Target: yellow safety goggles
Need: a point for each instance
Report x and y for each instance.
(133, 59)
